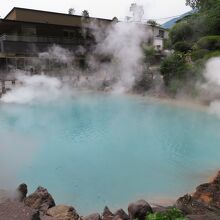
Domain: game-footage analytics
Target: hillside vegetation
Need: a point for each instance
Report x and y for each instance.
(194, 39)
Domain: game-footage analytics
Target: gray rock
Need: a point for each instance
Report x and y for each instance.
(209, 193)
(13, 210)
(22, 192)
(46, 217)
(190, 206)
(139, 210)
(120, 215)
(203, 217)
(161, 209)
(107, 214)
(63, 212)
(40, 200)
(94, 216)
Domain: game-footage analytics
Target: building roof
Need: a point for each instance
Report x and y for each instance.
(40, 16)
(50, 12)
(169, 24)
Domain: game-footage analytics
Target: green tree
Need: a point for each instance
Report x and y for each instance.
(173, 68)
(212, 18)
(181, 32)
(201, 4)
(193, 3)
(182, 46)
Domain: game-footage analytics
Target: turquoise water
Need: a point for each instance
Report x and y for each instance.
(97, 150)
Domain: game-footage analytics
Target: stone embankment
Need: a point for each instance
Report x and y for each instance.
(204, 204)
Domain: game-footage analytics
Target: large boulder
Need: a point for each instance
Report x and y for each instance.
(40, 200)
(139, 209)
(206, 199)
(209, 193)
(63, 212)
(161, 209)
(13, 210)
(107, 214)
(188, 205)
(94, 216)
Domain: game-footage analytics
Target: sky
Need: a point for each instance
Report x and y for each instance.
(154, 9)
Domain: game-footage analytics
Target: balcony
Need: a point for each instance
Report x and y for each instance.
(38, 39)
(25, 45)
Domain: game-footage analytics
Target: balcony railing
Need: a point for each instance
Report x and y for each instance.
(37, 39)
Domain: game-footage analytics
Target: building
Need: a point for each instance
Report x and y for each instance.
(159, 35)
(26, 32)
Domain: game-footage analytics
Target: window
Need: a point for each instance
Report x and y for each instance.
(29, 30)
(69, 34)
(161, 33)
(158, 47)
(65, 34)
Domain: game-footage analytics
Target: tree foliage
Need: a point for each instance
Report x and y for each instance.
(115, 20)
(85, 13)
(193, 3)
(194, 39)
(152, 22)
(181, 32)
(71, 11)
(182, 46)
(173, 67)
(172, 214)
(201, 4)
(209, 43)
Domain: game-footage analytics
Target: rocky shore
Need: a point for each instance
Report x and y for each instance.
(204, 204)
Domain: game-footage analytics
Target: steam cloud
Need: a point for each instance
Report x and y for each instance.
(35, 88)
(212, 86)
(123, 44)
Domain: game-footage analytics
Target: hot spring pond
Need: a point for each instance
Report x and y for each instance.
(96, 150)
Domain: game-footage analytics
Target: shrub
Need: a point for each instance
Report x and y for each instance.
(167, 44)
(149, 54)
(199, 54)
(181, 32)
(209, 43)
(182, 46)
(172, 214)
(173, 67)
(212, 54)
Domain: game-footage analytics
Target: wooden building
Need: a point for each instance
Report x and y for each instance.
(24, 33)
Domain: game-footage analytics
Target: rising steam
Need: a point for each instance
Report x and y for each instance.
(211, 89)
(123, 43)
(36, 88)
(120, 43)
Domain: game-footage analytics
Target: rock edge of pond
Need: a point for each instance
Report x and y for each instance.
(203, 204)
